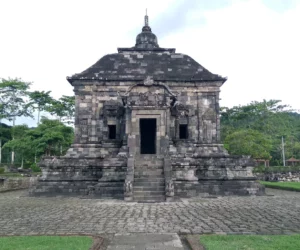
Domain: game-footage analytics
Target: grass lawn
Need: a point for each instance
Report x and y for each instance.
(250, 242)
(292, 186)
(10, 175)
(45, 243)
(18, 174)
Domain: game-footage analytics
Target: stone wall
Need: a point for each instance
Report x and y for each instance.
(15, 183)
(98, 106)
(92, 177)
(283, 176)
(219, 175)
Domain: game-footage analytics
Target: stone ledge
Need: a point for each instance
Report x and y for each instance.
(16, 183)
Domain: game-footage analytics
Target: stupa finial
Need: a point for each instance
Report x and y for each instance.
(146, 19)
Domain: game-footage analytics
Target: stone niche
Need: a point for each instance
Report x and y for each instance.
(147, 128)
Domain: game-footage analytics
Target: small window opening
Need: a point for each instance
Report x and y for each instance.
(183, 131)
(112, 131)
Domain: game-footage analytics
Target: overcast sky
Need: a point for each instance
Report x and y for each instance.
(255, 43)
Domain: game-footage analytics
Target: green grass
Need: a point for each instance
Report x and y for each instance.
(292, 186)
(250, 242)
(19, 174)
(45, 243)
(11, 175)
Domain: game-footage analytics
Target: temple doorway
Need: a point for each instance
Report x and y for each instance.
(148, 135)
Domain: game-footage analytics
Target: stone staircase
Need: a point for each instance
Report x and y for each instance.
(149, 181)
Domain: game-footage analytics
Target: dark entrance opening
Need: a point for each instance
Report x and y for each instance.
(112, 131)
(183, 131)
(148, 136)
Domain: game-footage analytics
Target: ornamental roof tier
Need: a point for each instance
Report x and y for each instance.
(146, 58)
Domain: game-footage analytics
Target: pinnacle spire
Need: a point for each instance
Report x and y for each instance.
(146, 26)
(146, 19)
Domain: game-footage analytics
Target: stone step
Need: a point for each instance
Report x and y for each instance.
(149, 188)
(110, 184)
(106, 196)
(148, 184)
(148, 193)
(107, 188)
(147, 168)
(149, 199)
(149, 171)
(149, 163)
(149, 177)
(149, 158)
(149, 181)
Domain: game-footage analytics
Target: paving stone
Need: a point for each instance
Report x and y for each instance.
(146, 242)
(23, 215)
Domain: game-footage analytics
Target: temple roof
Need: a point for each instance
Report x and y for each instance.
(146, 58)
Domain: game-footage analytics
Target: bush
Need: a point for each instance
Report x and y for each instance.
(35, 168)
(276, 169)
(2, 170)
(259, 169)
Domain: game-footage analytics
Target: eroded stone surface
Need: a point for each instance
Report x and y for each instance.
(278, 214)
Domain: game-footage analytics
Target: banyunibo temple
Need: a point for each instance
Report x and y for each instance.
(147, 129)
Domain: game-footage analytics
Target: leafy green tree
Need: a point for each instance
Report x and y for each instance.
(267, 116)
(20, 143)
(41, 101)
(292, 147)
(270, 118)
(249, 142)
(5, 136)
(63, 108)
(51, 137)
(13, 102)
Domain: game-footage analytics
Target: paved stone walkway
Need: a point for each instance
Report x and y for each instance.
(278, 214)
(145, 242)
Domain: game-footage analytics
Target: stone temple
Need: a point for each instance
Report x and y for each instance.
(147, 128)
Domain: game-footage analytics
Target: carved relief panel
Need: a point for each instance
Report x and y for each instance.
(209, 118)
(83, 129)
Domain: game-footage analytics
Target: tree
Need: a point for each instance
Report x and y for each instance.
(20, 143)
(5, 136)
(292, 147)
(40, 100)
(270, 118)
(13, 102)
(266, 116)
(64, 108)
(249, 142)
(51, 137)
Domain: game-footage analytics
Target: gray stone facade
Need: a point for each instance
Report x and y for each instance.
(147, 128)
